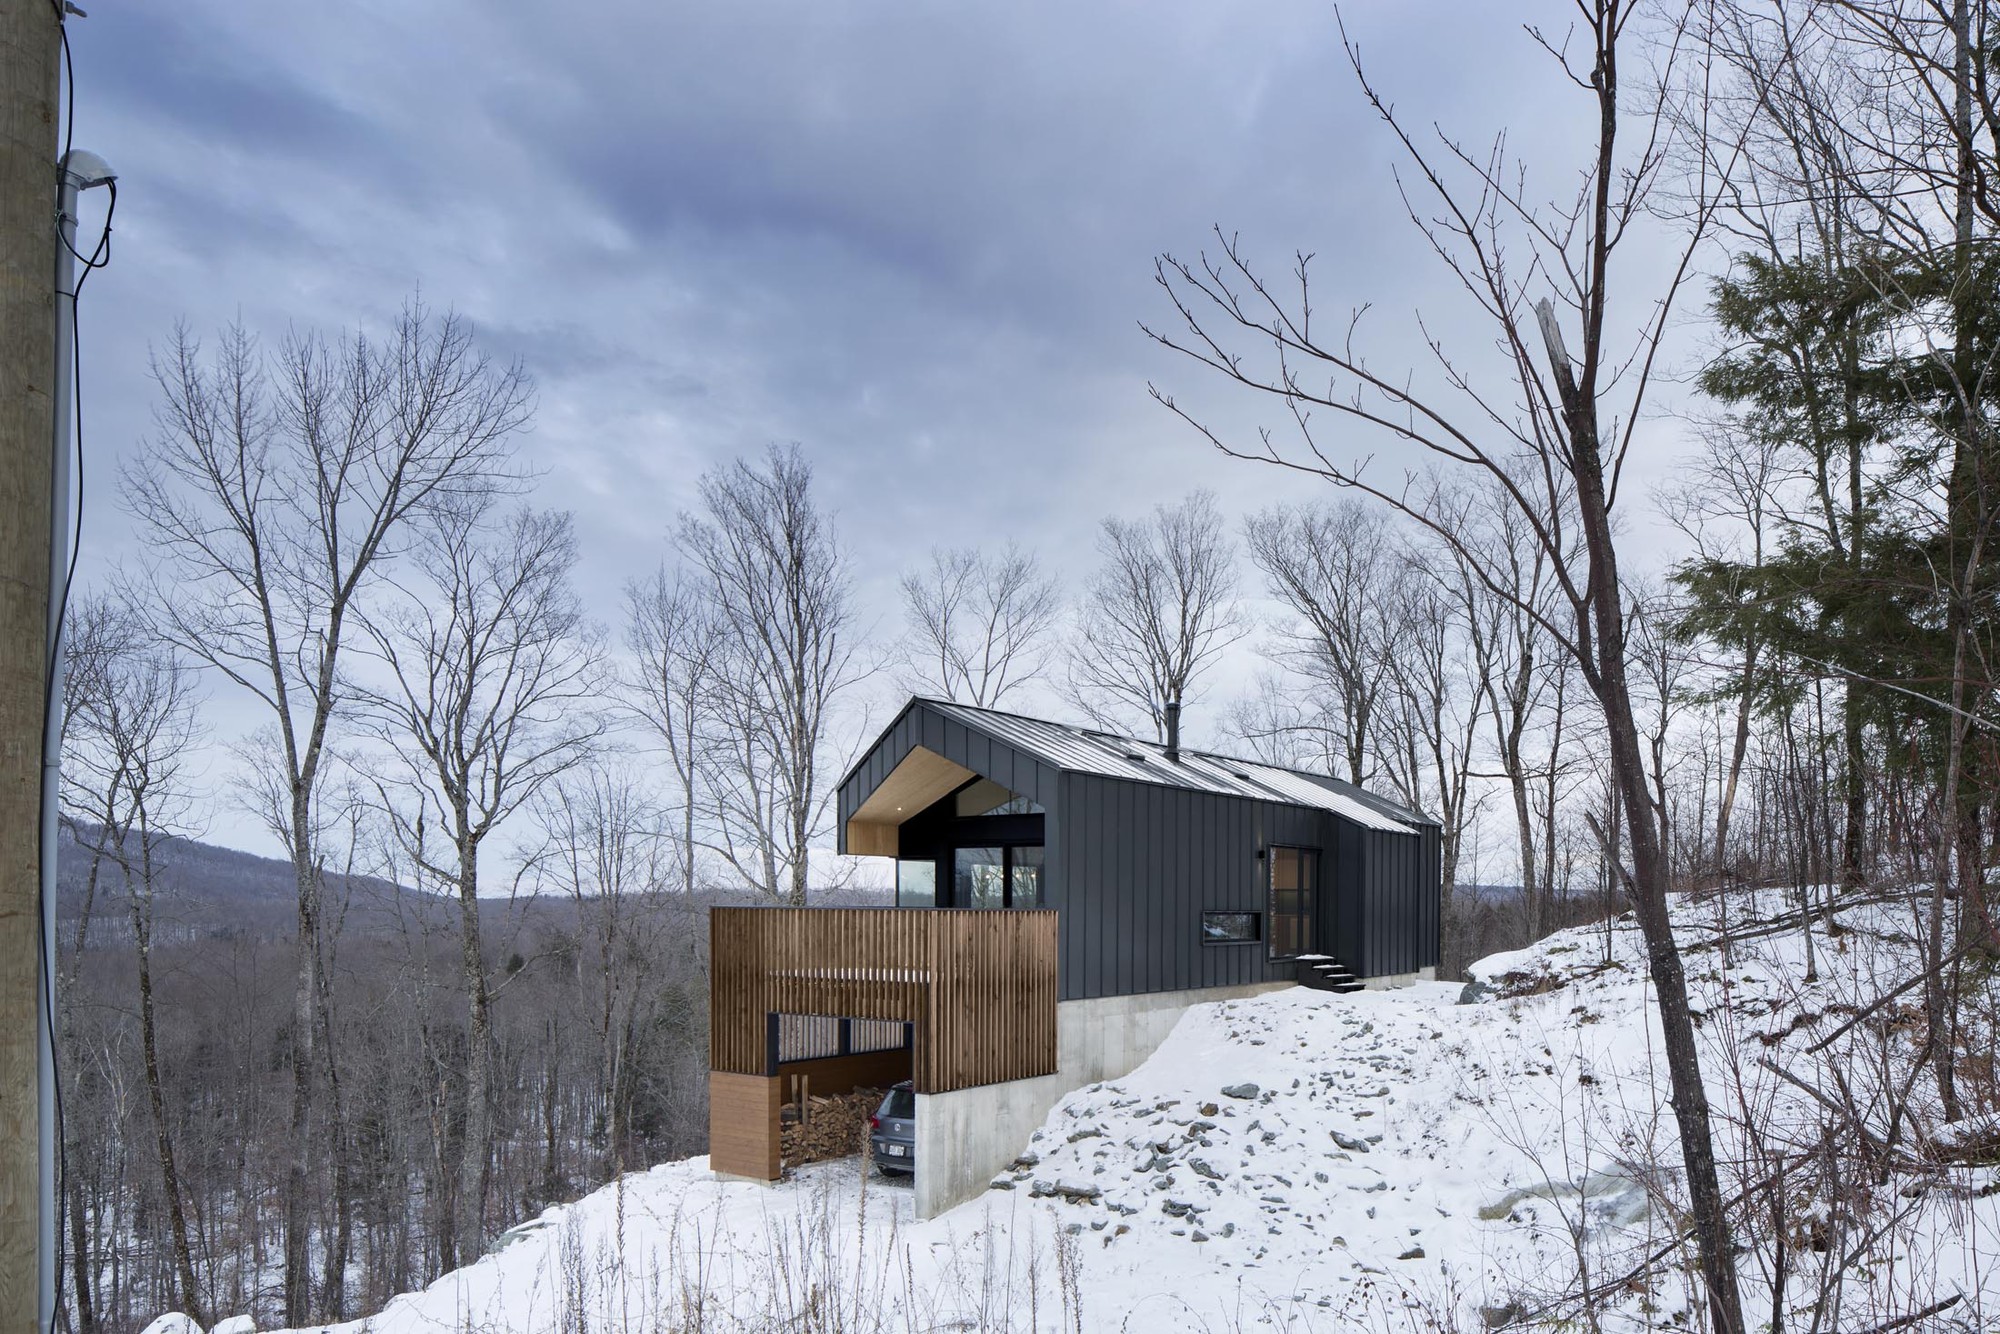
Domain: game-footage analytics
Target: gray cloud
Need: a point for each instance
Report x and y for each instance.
(915, 237)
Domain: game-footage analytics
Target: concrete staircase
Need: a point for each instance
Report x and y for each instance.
(1323, 972)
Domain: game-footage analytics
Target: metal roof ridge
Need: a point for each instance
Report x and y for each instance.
(1377, 804)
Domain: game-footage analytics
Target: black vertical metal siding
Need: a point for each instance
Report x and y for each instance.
(1431, 890)
(1131, 867)
(1387, 897)
(1139, 864)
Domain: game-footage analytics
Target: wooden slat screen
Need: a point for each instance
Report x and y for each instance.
(807, 1037)
(980, 987)
(874, 1035)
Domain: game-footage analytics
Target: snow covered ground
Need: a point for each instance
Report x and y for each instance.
(1309, 1161)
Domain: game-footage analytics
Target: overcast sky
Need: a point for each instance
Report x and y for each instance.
(915, 238)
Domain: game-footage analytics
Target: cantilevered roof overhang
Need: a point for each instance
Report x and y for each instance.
(922, 778)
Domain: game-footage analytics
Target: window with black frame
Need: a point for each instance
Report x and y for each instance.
(1000, 877)
(1229, 928)
(1293, 872)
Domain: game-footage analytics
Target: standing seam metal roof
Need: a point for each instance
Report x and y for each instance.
(1080, 750)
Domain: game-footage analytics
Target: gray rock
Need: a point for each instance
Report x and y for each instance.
(1245, 1091)
(1201, 1168)
(1414, 1253)
(1474, 992)
(1066, 1191)
(1350, 1143)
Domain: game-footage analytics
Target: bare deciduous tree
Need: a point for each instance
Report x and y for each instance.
(1332, 563)
(1558, 427)
(1723, 510)
(489, 671)
(270, 493)
(1428, 710)
(977, 625)
(1522, 676)
(607, 854)
(1278, 723)
(774, 576)
(676, 643)
(1156, 615)
(131, 726)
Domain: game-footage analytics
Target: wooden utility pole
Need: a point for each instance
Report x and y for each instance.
(30, 44)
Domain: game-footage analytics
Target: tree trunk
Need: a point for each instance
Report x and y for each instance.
(305, 999)
(333, 1273)
(139, 896)
(79, 1245)
(1532, 890)
(1605, 623)
(1854, 792)
(1663, 957)
(469, 1226)
(551, 1171)
(1739, 746)
(79, 1226)
(1958, 859)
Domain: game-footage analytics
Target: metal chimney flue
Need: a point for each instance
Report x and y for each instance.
(1173, 712)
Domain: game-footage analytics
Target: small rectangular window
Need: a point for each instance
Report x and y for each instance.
(1229, 928)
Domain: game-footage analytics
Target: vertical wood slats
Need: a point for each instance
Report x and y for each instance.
(743, 1125)
(979, 986)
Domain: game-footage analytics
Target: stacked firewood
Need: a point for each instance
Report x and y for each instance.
(815, 1128)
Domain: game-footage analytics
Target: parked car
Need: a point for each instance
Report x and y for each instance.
(892, 1131)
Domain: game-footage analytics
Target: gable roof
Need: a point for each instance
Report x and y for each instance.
(1085, 750)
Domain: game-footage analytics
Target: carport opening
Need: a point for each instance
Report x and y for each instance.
(832, 1073)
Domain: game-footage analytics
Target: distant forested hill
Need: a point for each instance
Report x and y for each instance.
(204, 889)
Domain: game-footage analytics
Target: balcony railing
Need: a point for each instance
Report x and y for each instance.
(978, 988)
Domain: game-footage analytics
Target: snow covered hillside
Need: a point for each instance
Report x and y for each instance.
(1388, 1160)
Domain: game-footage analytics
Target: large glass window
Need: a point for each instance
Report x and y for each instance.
(987, 797)
(1005, 877)
(1294, 872)
(1024, 877)
(980, 878)
(916, 884)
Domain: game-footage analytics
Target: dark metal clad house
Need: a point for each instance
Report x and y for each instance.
(1170, 869)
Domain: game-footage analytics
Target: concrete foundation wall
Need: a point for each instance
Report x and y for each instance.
(967, 1136)
(1394, 980)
